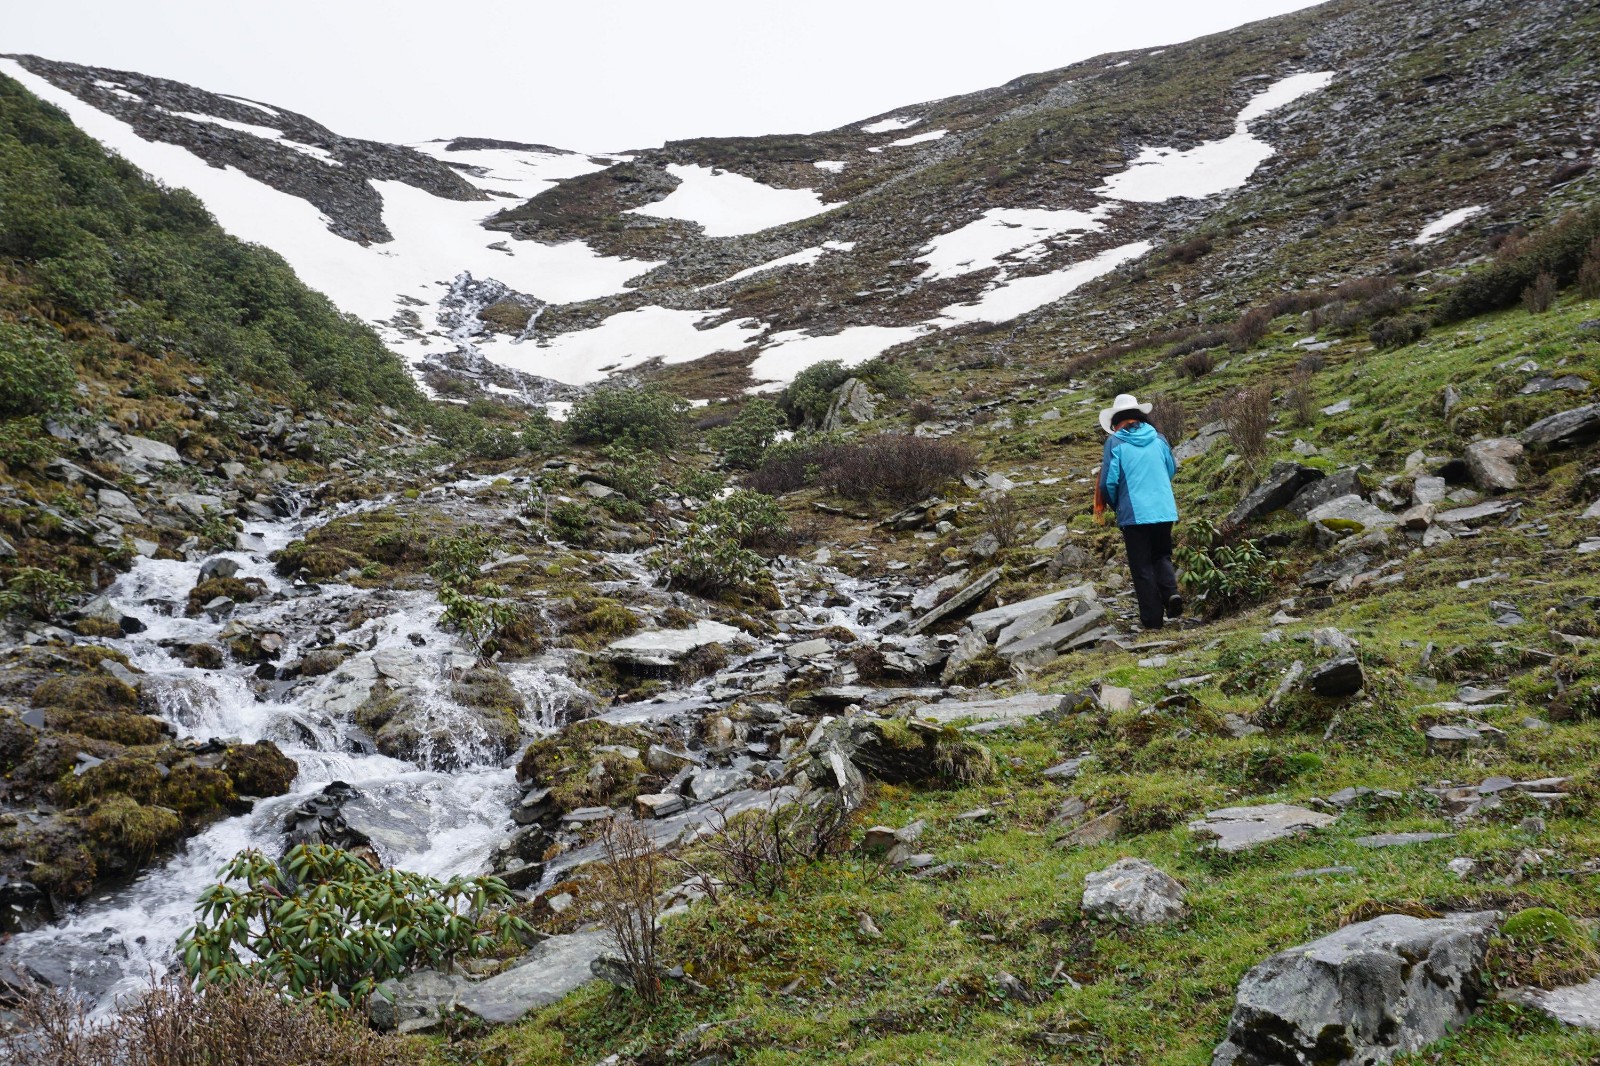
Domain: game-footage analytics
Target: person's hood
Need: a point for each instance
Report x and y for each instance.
(1140, 436)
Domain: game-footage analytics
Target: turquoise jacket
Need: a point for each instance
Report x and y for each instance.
(1136, 472)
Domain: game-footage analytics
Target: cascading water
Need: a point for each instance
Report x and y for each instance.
(449, 821)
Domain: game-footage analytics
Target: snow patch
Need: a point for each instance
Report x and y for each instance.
(523, 173)
(931, 135)
(622, 342)
(832, 166)
(1012, 298)
(1440, 226)
(726, 204)
(435, 240)
(804, 257)
(118, 90)
(1018, 232)
(1159, 174)
(263, 108)
(897, 122)
(792, 351)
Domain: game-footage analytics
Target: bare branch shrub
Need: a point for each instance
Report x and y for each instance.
(754, 851)
(1589, 272)
(1541, 295)
(1190, 251)
(895, 467)
(172, 1024)
(1000, 517)
(1170, 417)
(625, 886)
(1248, 415)
(1302, 397)
(1198, 364)
(1252, 328)
(1197, 341)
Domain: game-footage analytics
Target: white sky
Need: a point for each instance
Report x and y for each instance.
(606, 75)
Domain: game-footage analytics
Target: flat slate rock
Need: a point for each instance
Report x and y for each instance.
(1010, 709)
(1235, 829)
(665, 647)
(547, 973)
(960, 601)
(1396, 840)
(1574, 1005)
(990, 622)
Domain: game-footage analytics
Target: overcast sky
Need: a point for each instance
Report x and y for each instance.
(604, 75)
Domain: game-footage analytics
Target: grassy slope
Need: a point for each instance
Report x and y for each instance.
(928, 990)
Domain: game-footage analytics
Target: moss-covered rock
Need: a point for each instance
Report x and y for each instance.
(120, 727)
(316, 561)
(239, 590)
(259, 769)
(86, 692)
(579, 773)
(134, 829)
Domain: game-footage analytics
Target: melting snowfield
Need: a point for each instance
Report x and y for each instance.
(726, 204)
(1158, 174)
(1440, 226)
(398, 286)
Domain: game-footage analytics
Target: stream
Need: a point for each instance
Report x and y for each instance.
(440, 823)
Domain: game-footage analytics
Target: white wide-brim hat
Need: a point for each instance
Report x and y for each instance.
(1124, 402)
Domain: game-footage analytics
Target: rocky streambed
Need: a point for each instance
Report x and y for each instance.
(411, 747)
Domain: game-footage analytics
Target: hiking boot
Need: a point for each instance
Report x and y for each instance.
(1174, 606)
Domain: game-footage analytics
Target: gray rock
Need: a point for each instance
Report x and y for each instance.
(218, 566)
(1047, 645)
(1010, 709)
(1066, 770)
(1334, 570)
(659, 804)
(852, 403)
(667, 647)
(970, 647)
(1235, 829)
(1351, 508)
(1428, 489)
(1133, 892)
(1282, 484)
(1476, 514)
(138, 454)
(116, 505)
(1450, 739)
(713, 783)
(1574, 1005)
(1577, 426)
(1051, 540)
(1337, 678)
(992, 622)
(1201, 442)
(1360, 995)
(957, 603)
(1319, 492)
(1493, 463)
(556, 967)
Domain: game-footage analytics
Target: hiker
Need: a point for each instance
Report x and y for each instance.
(1135, 480)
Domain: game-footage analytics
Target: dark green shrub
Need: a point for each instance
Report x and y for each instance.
(35, 374)
(1220, 577)
(1558, 250)
(752, 431)
(1399, 331)
(807, 398)
(646, 417)
(720, 551)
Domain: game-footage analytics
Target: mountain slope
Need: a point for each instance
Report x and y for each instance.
(779, 251)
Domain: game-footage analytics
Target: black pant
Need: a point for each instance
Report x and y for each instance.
(1150, 559)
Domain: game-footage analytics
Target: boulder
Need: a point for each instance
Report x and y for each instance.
(1049, 644)
(1235, 829)
(1337, 678)
(1577, 426)
(971, 647)
(1133, 892)
(1360, 995)
(1011, 709)
(1320, 491)
(1493, 463)
(962, 600)
(549, 972)
(1201, 442)
(1351, 509)
(218, 566)
(1574, 1005)
(139, 454)
(1281, 485)
(993, 622)
(1429, 488)
(851, 403)
(666, 648)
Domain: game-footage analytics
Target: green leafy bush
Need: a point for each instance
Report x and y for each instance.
(35, 374)
(1399, 331)
(645, 417)
(324, 924)
(1221, 577)
(753, 430)
(807, 398)
(42, 593)
(720, 552)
